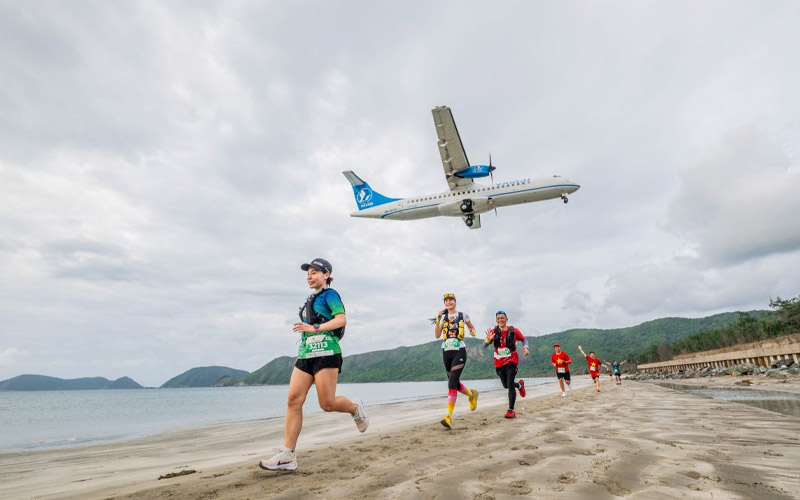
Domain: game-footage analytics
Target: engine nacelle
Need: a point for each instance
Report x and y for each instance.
(475, 171)
(466, 206)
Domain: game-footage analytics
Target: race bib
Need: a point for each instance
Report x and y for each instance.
(451, 344)
(561, 370)
(502, 352)
(317, 346)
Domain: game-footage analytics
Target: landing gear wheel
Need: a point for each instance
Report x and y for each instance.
(468, 222)
(466, 206)
(564, 197)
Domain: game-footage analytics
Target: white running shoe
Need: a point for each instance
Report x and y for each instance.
(563, 394)
(361, 419)
(569, 387)
(283, 460)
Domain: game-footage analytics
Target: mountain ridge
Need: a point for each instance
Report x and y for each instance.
(33, 382)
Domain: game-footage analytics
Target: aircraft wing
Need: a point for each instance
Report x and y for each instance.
(454, 159)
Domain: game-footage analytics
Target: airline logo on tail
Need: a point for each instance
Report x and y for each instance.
(365, 196)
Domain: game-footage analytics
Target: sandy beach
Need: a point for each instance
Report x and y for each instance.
(636, 440)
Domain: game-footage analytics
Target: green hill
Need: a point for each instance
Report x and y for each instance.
(748, 327)
(206, 376)
(45, 383)
(424, 362)
(624, 343)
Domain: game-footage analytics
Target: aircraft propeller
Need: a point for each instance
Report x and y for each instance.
(491, 169)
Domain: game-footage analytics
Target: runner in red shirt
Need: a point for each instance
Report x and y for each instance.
(560, 361)
(594, 367)
(504, 338)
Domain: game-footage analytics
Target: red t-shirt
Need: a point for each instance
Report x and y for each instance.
(594, 365)
(561, 360)
(501, 357)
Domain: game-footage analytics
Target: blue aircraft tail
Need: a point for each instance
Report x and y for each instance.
(366, 197)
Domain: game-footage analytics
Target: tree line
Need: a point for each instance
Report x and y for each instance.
(784, 319)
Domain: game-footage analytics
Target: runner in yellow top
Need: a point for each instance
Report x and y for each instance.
(450, 326)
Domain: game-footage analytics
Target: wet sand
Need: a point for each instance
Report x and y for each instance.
(636, 440)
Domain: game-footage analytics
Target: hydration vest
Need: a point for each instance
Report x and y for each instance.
(510, 342)
(310, 316)
(449, 326)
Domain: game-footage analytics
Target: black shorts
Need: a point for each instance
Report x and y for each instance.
(502, 371)
(313, 365)
(565, 375)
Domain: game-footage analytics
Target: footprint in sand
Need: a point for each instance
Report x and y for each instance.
(520, 488)
(567, 478)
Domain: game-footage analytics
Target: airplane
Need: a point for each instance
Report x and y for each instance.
(465, 198)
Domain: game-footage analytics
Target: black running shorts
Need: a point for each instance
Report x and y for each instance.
(313, 365)
(565, 376)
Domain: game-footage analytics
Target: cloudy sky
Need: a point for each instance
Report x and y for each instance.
(165, 168)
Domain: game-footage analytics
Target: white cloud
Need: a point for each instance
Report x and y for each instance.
(739, 202)
(10, 357)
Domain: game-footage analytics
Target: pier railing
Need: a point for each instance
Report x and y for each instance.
(762, 353)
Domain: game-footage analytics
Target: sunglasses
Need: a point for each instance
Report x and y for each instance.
(450, 296)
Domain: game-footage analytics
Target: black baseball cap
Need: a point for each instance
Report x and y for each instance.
(319, 264)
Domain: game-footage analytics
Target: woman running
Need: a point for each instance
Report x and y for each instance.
(319, 361)
(450, 326)
(504, 338)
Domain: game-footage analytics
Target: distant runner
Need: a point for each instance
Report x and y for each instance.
(450, 326)
(319, 361)
(560, 361)
(615, 368)
(594, 367)
(505, 338)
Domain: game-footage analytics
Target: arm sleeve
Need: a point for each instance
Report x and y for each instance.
(519, 336)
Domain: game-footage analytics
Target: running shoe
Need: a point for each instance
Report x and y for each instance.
(283, 460)
(563, 394)
(447, 422)
(521, 388)
(569, 387)
(360, 417)
(511, 414)
(473, 399)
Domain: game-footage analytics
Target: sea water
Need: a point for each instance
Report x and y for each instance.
(787, 403)
(42, 419)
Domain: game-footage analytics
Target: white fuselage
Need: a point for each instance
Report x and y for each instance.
(483, 199)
